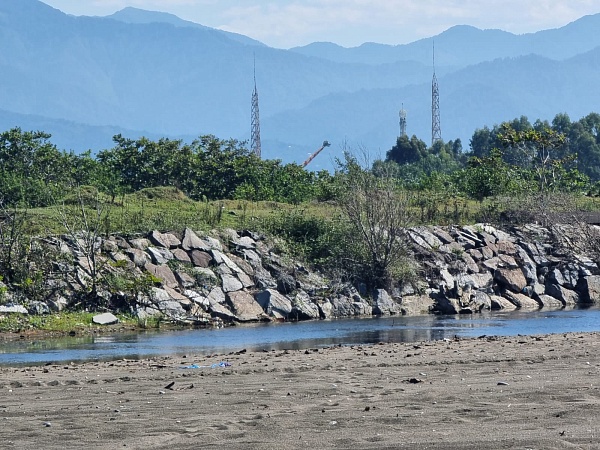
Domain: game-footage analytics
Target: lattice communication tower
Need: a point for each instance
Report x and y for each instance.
(436, 128)
(255, 121)
(402, 121)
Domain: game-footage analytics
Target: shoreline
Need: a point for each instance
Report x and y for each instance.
(486, 393)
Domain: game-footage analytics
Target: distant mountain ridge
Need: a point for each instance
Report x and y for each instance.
(163, 76)
(463, 45)
(140, 16)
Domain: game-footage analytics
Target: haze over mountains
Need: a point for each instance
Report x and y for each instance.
(137, 72)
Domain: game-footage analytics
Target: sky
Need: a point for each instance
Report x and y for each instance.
(291, 23)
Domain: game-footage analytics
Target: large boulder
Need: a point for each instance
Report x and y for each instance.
(11, 308)
(303, 308)
(589, 289)
(383, 304)
(512, 279)
(500, 303)
(200, 258)
(341, 306)
(274, 304)
(231, 283)
(245, 307)
(566, 296)
(160, 255)
(105, 319)
(164, 273)
(191, 241)
(416, 304)
(521, 301)
(166, 240)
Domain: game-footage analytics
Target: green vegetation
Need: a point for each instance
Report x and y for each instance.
(351, 224)
(64, 322)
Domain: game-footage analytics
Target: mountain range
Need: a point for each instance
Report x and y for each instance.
(135, 72)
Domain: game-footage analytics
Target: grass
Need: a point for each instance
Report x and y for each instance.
(169, 209)
(62, 323)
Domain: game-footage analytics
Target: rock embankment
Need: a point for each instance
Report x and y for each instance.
(234, 276)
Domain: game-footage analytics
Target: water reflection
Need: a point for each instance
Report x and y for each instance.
(297, 336)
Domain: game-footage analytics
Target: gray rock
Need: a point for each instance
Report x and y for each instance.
(160, 255)
(222, 312)
(166, 240)
(185, 280)
(341, 306)
(109, 246)
(250, 255)
(216, 295)
(214, 243)
(483, 280)
(15, 309)
(589, 288)
(181, 256)
(246, 242)
(165, 304)
(165, 274)
(472, 266)
(140, 243)
(222, 269)
(303, 308)
(361, 307)
(274, 304)
(416, 304)
(245, 280)
(512, 279)
(506, 247)
(325, 309)
(57, 304)
(442, 235)
(521, 301)
(139, 257)
(200, 258)
(197, 298)
(38, 308)
(245, 307)
(481, 301)
(244, 265)
(205, 278)
(105, 319)
(231, 283)
(500, 303)
(286, 284)
(191, 241)
(549, 302)
(263, 278)
(567, 296)
(383, 304)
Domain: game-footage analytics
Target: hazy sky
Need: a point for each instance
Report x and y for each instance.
(289, 23)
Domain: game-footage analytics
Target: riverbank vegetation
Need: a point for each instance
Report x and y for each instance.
(351, 223)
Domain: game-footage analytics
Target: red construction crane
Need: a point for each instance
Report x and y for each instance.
(314, 155)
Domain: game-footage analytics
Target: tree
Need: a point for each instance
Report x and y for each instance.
(407, 151)
(378, 214)
(490, 176)
(541, 151)
(32, 170)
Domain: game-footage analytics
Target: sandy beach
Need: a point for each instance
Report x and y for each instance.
(526, 392)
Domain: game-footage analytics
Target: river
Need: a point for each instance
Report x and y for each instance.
(301, 335)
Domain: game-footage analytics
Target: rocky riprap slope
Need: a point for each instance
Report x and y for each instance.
(237, 277)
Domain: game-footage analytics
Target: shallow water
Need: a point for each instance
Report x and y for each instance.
(301, 335)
